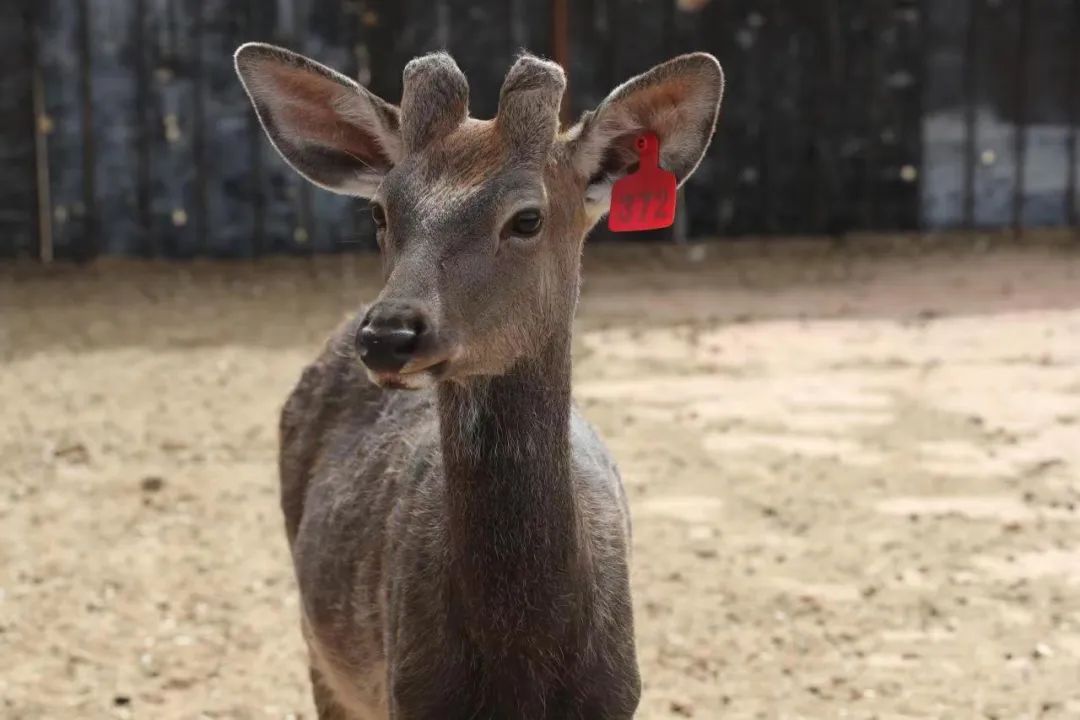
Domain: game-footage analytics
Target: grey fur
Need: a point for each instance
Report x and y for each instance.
(434, 100)
(529, 107)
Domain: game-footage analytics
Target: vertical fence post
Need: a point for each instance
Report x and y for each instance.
(560, 50)
(970, 90)
(1020, 97)
(1071, 200)
(41, 156)
(198, 178)
(87, 248)
(17, 137)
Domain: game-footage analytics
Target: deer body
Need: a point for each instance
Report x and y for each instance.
(462, 551)
(494, 579)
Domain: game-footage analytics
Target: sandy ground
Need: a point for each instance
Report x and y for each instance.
(855, 479)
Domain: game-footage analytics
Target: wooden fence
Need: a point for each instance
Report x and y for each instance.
(124, 131)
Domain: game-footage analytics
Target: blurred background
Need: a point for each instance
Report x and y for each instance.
(124, 131)
(843, 390)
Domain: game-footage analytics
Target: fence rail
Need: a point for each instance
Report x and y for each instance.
(123, 130)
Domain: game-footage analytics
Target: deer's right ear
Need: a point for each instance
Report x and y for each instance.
(678, 100)
(327, 127)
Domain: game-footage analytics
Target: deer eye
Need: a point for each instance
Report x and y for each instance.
(378, 215)
(526, 223)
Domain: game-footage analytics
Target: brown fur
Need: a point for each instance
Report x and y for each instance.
(462, 551)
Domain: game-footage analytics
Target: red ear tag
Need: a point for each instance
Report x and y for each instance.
(644, 200)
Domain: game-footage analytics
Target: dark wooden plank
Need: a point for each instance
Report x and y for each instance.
(786, 142)
(171, 59)
(228, 155)
(996, 167)
(194, 11)
(839, 113)
(382, 24)
(1044, 196)
(59, 39)
(558, 44)
(426, 26)
(765, 23)
(836, 133)
(610, 42)
(705, 198)
(532, 26)
(821, 72)
(878, 118)
(1020, 108)
(867, 63)
(18, 178)
(481, 41)
(825, 124)
(1072, 184)
(592, 52)
(637, 40)
(900, 33)
(864, 105)
(971, 79)
(116, 125)
(89, 246)
(744, 128)
(149, 245)
(812, 118)
(947, 98)
(399, 30)
(485, 37)
(281, 211)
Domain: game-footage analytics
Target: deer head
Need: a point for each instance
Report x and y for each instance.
(480, 222)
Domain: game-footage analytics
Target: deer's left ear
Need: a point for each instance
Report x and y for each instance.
(678, 100)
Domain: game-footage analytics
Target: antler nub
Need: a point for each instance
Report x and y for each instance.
(434, 101)
(529, 105)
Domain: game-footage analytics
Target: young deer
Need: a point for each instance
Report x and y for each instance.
(461, 551)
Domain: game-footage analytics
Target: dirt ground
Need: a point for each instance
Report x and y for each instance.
(855, 478)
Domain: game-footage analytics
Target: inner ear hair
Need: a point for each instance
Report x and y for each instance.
(619, 158)
(326, 126)
(678, 100)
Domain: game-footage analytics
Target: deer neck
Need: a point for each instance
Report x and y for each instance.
(513, 516)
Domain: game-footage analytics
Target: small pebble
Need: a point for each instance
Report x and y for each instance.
(682, 708)
(152, 483)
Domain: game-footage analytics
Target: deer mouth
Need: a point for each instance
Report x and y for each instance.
(414, 376)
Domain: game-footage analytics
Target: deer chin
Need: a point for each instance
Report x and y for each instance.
(411, 377)
(397, 381)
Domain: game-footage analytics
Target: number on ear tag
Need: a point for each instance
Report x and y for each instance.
(645, 199)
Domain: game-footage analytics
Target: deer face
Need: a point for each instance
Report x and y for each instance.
(480, 222)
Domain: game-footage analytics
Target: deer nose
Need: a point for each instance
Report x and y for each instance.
(390, 336)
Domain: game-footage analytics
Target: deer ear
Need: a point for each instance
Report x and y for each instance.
(678, 100)
(327, 127)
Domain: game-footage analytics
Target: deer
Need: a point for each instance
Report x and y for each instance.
(461, 550)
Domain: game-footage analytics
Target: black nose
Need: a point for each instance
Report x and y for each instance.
(390, 336)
